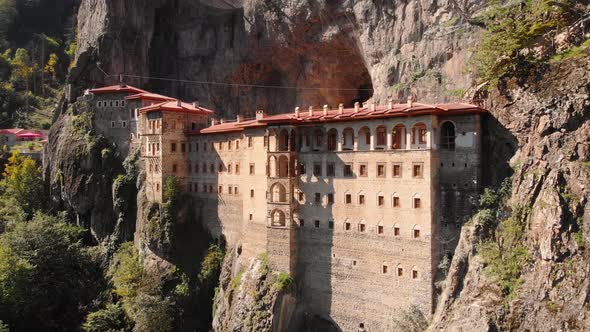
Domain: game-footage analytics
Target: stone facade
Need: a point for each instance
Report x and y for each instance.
(358, 205)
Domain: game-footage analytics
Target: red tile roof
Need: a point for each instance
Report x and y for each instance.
(120, 88)
(176, 106)
(12, 131)
(150, 96)
(348, 114)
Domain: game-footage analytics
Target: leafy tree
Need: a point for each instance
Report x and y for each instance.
(155, 314)
(22, 68)
(51, 66)
(126, 272)
(110, 319)
(23, 182)
(45, 275)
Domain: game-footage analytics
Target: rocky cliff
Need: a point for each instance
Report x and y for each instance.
(549, 118)
(376, 49)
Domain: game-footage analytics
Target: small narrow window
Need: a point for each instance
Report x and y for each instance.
(220, 189)
(363, 170)
(229, 168)
(362, 228)
(361, 199)
(384, 269)
(229, 190)
(330, 170)
(347, 226)
(124, 124)
(396, 231)
(400, 272)
(112, 124)
(173, 147)
(381, 201)
(417, 203)
(252, 169)
(317, 169)
(416, 233)
(381, 170)
(396, 202)
(301, 222)
(417, 170)
(174, 168)
(252, 193)
(348, 199)
(379, 229)
(318, 198)
(237, 168)
(348, 170)
(235, 190)
(250, 142)
(414, 274)
(302, 170)
(220, 168)
(250, 217)
(330, 224)
(183, 147)
(397, 170)
(300, 196)
(330, 198)
(237, 144)
(317, 224)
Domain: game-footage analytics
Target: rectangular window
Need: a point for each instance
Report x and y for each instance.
(197, 146)
(112, 124)
(220, 146)
(384, 269)
(210, 188)
(252, 193)
(250, 216)
(204, 168)
(124, 124)
(414, 274)
(347, 226)
(212, 168)
(196, 168)
(416, 233)
(236, 190)
(379, 229)
(174, 168)
(190, 147)
(251, 169)
(182, 147)
(317, 223)
(250, 142)
(400, 272)
(348, 199)
(381, 170)
(318, 198)
(363, 170)
(220, 189)
(301, 222)
(361, 199)
(331, 169)
(381, 201)
(417, 170)
(238, 168)
(302, 170)
(229, 168)
(330, 224)
(397, 170)
(219, 168)
(300, 196)
(229, 145)
(229, 190)
(396, 231)
(317, 169)
(362, 227)
(395, 202)
(348, 170)
(417, 203)
(173, 147)
(265, 141)
(330, 198)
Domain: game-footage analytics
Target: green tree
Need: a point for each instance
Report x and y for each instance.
(22, 68)
(154, 314)
(45, 275)
(51, 66)
(110, 319)
(23, 181)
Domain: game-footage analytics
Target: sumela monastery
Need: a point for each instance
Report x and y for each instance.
(358, 204)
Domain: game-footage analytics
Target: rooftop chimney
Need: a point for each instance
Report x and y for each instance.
(222, 120)
(340, 108)
(260, 114)
(310, 110)
(325, 110)
(372, 107)
(357, 106)
(239, 118)
(297, 112)
(410, 101)
(196, 104)
(178, 103)
(390, 103)
(213, 121)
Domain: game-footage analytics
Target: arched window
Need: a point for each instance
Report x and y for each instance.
(399, 137)
(318, 140)
(348, 139)
(364, 142)
(332, 139)
(416, 232)
(381, 133)
(283, 170)
(419, 132)
(414, 273)
(278, 218)
(447, 138)
(278, 193)
(272, 167)
(284, 140)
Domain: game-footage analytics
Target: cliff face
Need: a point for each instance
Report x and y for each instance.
(386, 46)
(549, 119)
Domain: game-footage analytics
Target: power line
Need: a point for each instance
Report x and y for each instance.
(239, 84)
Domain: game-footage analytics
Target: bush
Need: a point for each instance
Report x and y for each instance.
(154, 314)
(211, 264)
(110, 319)
(284, 282)
(126, 272)
(3, 327)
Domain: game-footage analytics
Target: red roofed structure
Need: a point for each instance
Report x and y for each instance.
(150, 96)
(176, 106)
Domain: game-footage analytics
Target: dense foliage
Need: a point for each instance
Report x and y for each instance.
(513, 28)
(23, 183)
(46, 276)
